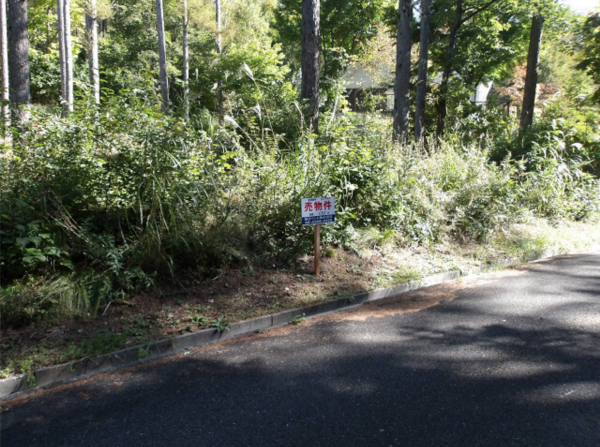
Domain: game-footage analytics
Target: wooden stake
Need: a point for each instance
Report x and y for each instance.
(317, 250)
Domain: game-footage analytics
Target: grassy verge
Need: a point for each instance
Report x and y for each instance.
(194, 302)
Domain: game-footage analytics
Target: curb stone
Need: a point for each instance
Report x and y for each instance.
(79, 369)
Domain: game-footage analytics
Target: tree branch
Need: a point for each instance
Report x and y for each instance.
(478, 10)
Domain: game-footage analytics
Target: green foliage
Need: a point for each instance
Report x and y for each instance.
(220, 324)
(591, 54)
(345, 27)
(102, 202)
(298, 319)
(100, 343)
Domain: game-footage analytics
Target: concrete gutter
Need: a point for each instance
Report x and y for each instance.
(79, 369)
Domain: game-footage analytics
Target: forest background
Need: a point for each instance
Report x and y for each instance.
(183, 148)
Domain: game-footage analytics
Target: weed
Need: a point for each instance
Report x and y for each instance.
(220, 324)
(329, 252)
(298, 319)
(200, 320)
(401, 275)
(143, 353)
(355, 270)
(248, 270)
(100, 343)
(30, 381)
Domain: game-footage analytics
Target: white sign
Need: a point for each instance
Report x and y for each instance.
(318, 210)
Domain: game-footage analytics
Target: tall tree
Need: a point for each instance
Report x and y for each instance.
(402, 85)
(219, 51)
(422, 71)
(311, 51)
(162, 56)
(531, 78)
(63, 12)
(186, 64)
(344, 27)
(591, 50)
(18, 60)
(91, 28)
(61, 49)
(462, 16)
(4, 65)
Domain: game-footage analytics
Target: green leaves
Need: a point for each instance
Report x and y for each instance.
(591, 53)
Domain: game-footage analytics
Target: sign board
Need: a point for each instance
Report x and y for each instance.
(318, 211)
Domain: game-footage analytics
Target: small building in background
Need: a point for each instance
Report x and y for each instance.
(369, 91)
(482, 91)
(366, 93)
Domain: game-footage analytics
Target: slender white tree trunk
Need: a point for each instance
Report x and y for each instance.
(18, 60)
(61, 49)
(68, 54)
(162, 55)
(4, 65)
(65, 53)
(422, 74)
(219, 51)
(186, 64)
(91, 26)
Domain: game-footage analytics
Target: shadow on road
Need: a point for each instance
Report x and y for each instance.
(465, 373)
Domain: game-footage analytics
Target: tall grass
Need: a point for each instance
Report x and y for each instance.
(110, 199)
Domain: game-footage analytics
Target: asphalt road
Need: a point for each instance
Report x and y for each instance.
(507, 359)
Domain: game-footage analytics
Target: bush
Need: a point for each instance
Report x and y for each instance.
(104, 202)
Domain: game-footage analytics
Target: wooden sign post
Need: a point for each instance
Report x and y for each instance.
(317, 250)
(317, 211)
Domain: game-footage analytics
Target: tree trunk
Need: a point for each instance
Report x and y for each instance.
(442, 102)
(533, 58)
(219, 51)
(311, 48)
(186, 64)
(61, 49)
(402, 86)
(18, 60)
(218, 19)
(422, 73)
(63, 12)
(162, 56)
(91, 27)
(68, 54)
(4, 66)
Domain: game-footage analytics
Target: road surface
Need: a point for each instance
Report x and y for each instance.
(505, 359)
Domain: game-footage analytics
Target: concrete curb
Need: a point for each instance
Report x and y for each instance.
(68, 372)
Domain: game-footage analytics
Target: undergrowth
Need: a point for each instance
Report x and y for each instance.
(107, 201)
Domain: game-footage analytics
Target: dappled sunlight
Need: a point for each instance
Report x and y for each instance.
(466, 368)
(564, 392)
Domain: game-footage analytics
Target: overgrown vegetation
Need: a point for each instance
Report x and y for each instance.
(119, 198)
(108, 201)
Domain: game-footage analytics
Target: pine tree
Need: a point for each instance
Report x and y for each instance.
(402, 86)
(91, 27)
(18, 60)
(162, 55)
(4, 97)
(422, 71)
(311, 51)
(186, 63)
(533, 58)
